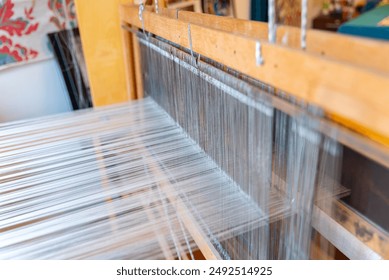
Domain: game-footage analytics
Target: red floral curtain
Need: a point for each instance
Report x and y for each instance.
(24, 25)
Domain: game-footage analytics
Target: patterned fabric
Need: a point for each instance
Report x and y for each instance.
(289, 12)
(24, 25)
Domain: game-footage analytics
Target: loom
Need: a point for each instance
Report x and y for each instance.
(239, 145)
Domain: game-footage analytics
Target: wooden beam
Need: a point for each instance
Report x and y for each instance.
(358, 51)
(138, 67)
(129, 62)
(341, 238)
(354, 96)
(103, 49)
(171, 13)
(364, 230)
(191, 224)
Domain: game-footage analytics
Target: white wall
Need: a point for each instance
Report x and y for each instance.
(32, 90)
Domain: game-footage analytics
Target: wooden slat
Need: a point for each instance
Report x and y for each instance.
(195, 4)
(356, 97)
(171, 13)
(138, 67)
(363, 229)
(341, 238)
(321, 248)
(195, 230)
(129, 62)
(101, 38)
(358, 51)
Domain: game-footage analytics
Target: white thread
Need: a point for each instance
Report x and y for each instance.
(90, 183)
(190, 44)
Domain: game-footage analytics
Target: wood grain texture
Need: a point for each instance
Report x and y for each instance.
(138, 67)
(172, 13)
(356, 97)
(341, 238)
(129, 63)
(358, 51)
(363, 229)
(101, 37)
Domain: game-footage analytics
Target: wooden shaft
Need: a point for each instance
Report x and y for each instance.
(364, 230)
(104, 48)
(129, 62)
(355, 50)
(138, 68)
(341, 238)
(358, 51)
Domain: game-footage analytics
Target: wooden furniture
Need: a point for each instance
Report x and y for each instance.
(327, 23)
(190, 5)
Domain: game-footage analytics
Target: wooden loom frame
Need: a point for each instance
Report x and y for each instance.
(322, 80)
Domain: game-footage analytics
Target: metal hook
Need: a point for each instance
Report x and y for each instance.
(198, 60)
(285, 39)
(156, 6)
(191, 46)
(258, 54)
(141, 9)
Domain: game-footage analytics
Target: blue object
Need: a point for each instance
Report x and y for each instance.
(370, 5)
(259, 10)
(366, 25)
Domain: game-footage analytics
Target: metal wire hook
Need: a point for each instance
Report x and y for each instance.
(304, 21)
(191, 46)
(258, 53)
(141, 9)
(156, 6)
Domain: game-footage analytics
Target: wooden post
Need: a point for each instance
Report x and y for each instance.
(101, 38)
